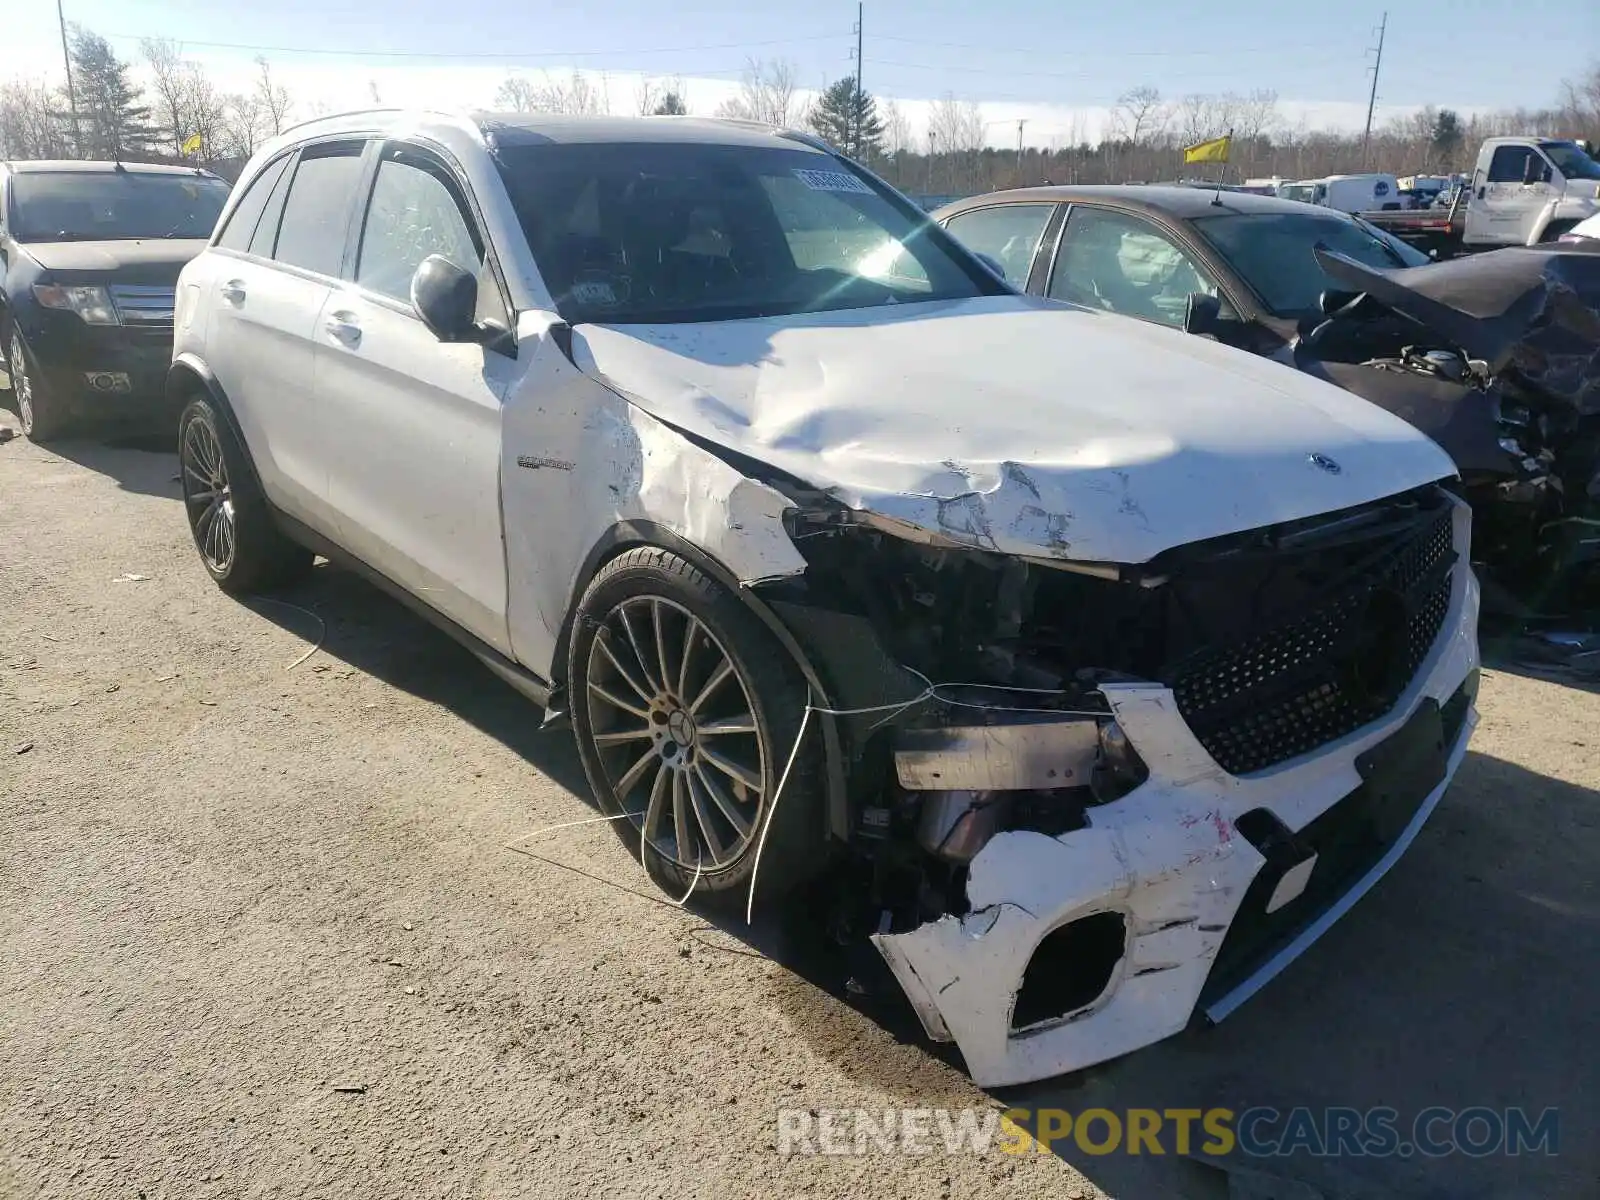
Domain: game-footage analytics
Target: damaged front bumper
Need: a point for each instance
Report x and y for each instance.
(1189, 893)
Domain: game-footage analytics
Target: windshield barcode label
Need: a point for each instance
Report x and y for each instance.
(832, 181)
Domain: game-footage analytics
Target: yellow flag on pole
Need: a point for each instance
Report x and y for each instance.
(192, 143)
(1216, 150)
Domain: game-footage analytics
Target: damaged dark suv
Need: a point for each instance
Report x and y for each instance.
(1108, 666)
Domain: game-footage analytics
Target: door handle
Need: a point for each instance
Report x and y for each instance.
(232, 292)
(1481, 191)
(342, 327)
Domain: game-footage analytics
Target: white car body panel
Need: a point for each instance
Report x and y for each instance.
(412, 428)
(1168, 857)
(1017, 425)
(266, 336)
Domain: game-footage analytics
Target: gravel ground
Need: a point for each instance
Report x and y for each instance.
(237, 887)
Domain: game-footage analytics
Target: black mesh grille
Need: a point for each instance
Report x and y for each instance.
(1298, 684)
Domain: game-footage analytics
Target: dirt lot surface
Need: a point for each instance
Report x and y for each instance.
(235, 884)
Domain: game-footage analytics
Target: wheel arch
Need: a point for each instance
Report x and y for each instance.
(190, 377)
(628, 535)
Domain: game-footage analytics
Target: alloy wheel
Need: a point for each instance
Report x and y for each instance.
(676, 733)
(207, 494)
(21, 387)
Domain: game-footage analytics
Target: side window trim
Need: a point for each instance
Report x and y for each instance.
(1044, 258)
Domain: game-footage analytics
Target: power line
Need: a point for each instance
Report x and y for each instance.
(1228, 51)
(1009, 73)
(492, 55)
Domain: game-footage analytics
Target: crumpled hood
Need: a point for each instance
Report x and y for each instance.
(1532, 313)
(153, 261)
(1019, 426)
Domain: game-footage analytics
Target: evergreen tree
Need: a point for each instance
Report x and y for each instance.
(1446, 137)
(837, 118)
(110, 118)
(671, 105)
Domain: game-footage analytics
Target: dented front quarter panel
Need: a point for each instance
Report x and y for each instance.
(578, 460)
(1168, 857)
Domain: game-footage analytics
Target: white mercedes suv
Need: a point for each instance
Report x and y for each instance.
(1102, 667)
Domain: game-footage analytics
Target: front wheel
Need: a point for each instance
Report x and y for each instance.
(40, 409)
(239, 542)
(686, 710)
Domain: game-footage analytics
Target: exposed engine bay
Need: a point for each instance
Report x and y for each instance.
(980, 678)
(1496, 357)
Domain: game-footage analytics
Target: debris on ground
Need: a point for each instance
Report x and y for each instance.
(130, 577)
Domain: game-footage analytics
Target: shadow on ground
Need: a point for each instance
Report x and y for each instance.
(1466, 978)
(139, 461)
(372, 632)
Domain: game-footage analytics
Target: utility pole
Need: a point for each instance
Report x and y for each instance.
(1020, 124)
(1372, 98)
(860, 13)
(66, 61)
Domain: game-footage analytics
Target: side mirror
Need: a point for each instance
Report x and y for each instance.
(1332, 300)
(446, 298)
(1533, 169)
(1202, 313)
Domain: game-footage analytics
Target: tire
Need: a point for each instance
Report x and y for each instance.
(643, 722)
(41, 410)
(239, 542)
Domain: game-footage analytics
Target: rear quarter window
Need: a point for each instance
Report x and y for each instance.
(246, 215)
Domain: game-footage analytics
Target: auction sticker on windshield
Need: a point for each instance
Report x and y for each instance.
(832, 181)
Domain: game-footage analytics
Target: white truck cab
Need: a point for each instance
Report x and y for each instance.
(1529, 190)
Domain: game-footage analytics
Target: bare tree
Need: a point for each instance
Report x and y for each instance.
(575, 95)
(661, 97)
(896, 129)
(242, 127)
(516, 93)
(766, 94)
(272, 99)
(1140, 115)
(31, 121)
(169, 87)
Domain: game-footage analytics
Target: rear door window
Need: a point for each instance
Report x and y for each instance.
(1007, 233)
(316, 214)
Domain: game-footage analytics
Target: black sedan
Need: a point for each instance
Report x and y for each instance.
(89, 259)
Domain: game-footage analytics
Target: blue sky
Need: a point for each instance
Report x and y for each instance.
(1043, 59)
